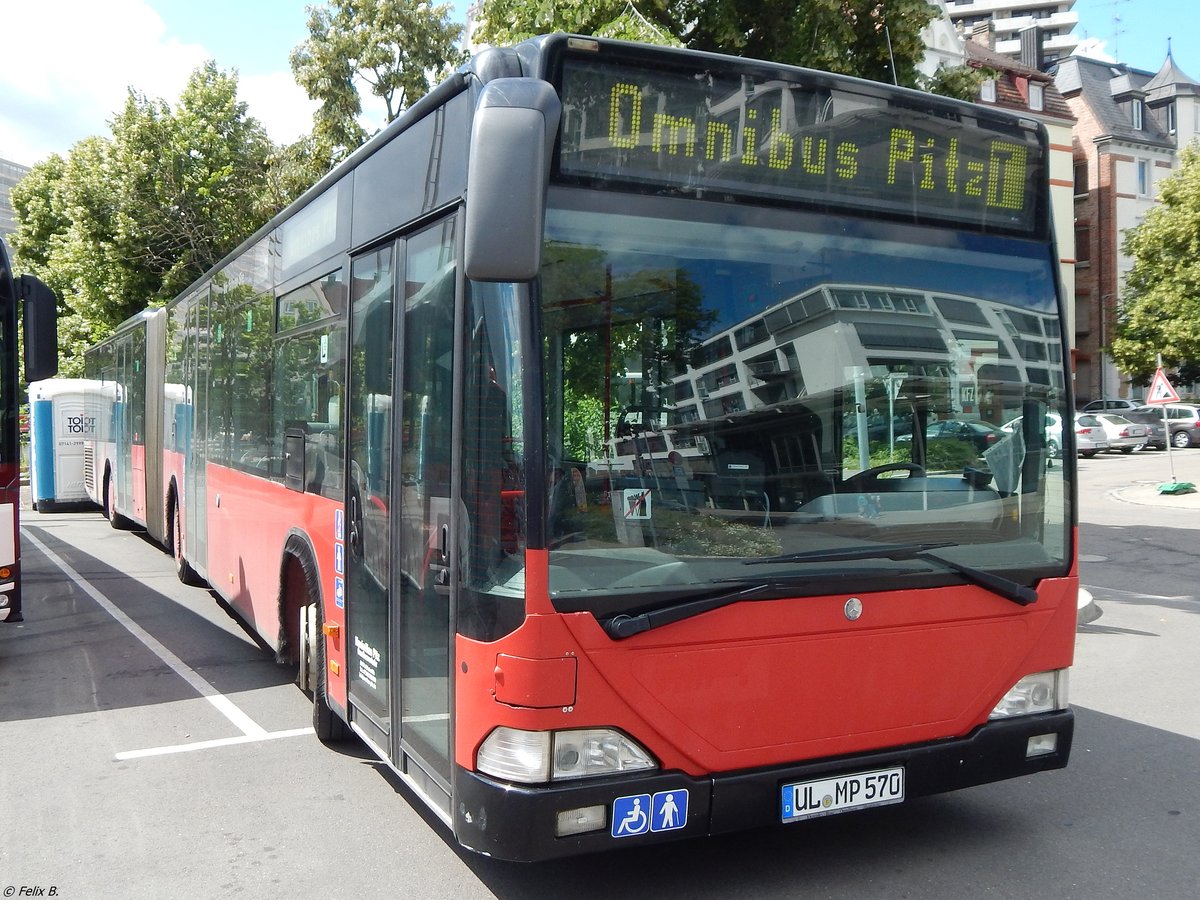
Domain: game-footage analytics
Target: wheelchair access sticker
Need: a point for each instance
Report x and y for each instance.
(643, 813)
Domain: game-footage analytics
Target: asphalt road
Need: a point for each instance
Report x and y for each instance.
(150, 748)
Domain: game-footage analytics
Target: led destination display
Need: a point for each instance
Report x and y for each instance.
(714, 134)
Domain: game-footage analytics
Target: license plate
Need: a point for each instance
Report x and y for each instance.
(827, 796)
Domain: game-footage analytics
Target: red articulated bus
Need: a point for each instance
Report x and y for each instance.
(39, 308)
(610, 443)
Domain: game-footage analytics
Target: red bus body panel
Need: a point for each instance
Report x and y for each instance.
(775, 682)
(249, 521)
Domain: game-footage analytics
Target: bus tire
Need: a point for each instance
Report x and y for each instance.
(330, 728)
(183, 569)
(115, 519)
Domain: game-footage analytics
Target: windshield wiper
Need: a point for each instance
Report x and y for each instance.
(870, 551)
(624, 626)
(997, 584)
(1007, 588)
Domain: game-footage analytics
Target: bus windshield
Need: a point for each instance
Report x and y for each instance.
(756, 398)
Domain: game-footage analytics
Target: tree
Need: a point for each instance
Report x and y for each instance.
(1160, 309)
(398, 48)
(877, 39)
(194, 181)
(126, 222)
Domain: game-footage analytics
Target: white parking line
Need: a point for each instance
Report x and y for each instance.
(250, 729)
(208, 745)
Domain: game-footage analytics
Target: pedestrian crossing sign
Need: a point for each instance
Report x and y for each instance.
(1161, 390)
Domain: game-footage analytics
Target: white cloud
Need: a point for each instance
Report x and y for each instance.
(68, 64)
(279, 103)
(1094, 48)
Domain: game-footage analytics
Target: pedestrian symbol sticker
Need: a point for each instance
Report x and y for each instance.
(642, 813)
(339, 593)
(631, 815)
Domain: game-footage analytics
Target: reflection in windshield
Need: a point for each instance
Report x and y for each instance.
(717, 392)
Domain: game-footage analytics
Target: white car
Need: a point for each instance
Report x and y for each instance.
(1090, 437)
(1122, 434)
(1053, 438)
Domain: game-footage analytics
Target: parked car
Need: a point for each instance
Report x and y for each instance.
(1110, 404)
(1183, 419)
(1053, 432)
(1090, 437)
(980, 435)
(1122, 434)
(1156, 433)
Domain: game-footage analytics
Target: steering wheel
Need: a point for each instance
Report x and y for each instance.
(860, 479)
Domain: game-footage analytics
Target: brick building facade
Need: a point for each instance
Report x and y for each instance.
(1130, 125)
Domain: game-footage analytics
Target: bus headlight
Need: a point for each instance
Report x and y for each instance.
(533, 757)
(1043, 692)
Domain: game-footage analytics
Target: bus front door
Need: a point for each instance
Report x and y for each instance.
(398, 503)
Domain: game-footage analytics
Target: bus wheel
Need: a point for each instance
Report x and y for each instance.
(183, 568)
(328, 725)
(115, 519)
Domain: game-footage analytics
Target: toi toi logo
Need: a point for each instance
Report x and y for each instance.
(81, 424)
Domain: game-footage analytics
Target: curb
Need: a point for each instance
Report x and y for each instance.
(1147, 495)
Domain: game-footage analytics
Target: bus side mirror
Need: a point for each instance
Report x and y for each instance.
(41, 328)
(512, 141)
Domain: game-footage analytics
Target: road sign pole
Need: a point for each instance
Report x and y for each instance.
(1162, 393)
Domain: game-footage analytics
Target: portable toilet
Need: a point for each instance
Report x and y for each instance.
(59, 425)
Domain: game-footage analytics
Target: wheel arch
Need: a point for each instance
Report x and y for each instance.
(299, 576)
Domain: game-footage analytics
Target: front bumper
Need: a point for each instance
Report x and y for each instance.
(517, 822)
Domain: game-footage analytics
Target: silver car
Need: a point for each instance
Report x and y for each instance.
(1122, 434)
(1090, 437)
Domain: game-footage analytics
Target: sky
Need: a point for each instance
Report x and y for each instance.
(65, 65)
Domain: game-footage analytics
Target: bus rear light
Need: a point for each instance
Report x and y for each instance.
(1043, 692)
(5, 573)
(534, 757)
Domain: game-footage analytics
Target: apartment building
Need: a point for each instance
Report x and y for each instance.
(10, 174)
(1009, 18)
(1130, 127)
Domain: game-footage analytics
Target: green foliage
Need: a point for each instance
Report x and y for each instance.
(127, 222)
(960, 82)
(510, 21)
(854, 37)
(941, 454)
(398, 48)
(878, 453)
(949, 455)
(693, 532)
(1160, 309)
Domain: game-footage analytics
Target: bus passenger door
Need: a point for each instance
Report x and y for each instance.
(369, 495)
(197, 370)
(398, 502)
(425, 439)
